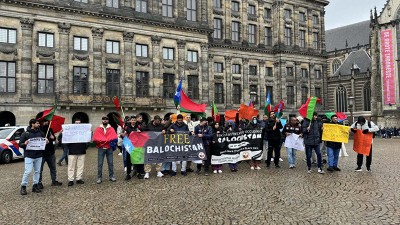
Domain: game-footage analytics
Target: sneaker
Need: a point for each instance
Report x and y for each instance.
(159, 174)
(314, 163)
(124, 169)
(277, 166)
(70, 183)
(198, 171)
(336, 169)
(272, 159)
(128, 177)
(99, 181)
(369, 169)
(23, 190)
(147, 176)
(219, 171)
(59, 163)
(206, 173)
(140, 176)
(330, 169)
(235, 170)
(40, 185)
(189, 170)
(280, 159)
(173, 174)
(320, 171)
(112, 179)
(252, 167)
(291, 167)
(309, 171)
(120, 153)
(183, 173)
(165, 172)
(215, 171)
(324, 161)
(36, 189)
(56, 183)
(258, 168)
(358, 169)
(80, 182)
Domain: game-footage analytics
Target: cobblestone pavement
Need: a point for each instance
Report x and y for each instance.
(268, 196)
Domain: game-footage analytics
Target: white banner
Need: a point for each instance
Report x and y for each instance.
(38, 144)
(294, 141)
(76, 133)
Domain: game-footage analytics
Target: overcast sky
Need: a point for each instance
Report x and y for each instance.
(344, 12)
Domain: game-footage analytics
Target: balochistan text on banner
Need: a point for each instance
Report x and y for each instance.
(233, 147)
(155, 147)
(294, 141)
(76, 133)
(335, 133)
(38, 144)
(362, 142)
(388, 63)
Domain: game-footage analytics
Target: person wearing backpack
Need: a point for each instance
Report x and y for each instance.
(366, 127)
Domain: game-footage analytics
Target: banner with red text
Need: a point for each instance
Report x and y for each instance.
(388, 63)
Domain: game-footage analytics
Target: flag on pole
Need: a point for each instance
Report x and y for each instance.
(118, 120)
(267, 104)
(128, 144)
(214, 113)
(307, 109)
(117, 103)
(177, 96)
(279, 108)
(341, 116)
(188, 106)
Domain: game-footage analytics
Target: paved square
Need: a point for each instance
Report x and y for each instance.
(268, 196)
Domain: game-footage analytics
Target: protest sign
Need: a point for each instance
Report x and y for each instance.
(335, 133)
(233, 147)
(38, 144)
(362, 142)
(294, 141)
(76, 133)
(155, 147)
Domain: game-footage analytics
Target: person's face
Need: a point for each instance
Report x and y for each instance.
(334, 119)
(315, 117)
(293, 121)
(180, 120)
(157, 122)
(133, 121)
(265, 117)
(203, 123)
(272, 115)
(140, 119)
(77, 121)
(216, 125)
(45, 123)
(188, 118)
(36, 125)
(105, 121)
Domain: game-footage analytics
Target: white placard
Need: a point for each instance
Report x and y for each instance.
(294, 141)
(76, 133)
(38, 144)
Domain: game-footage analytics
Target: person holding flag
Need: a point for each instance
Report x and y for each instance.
(312, 132)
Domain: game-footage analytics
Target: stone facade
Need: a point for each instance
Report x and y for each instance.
(56, 40)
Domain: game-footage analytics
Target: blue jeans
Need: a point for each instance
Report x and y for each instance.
(109, 154)
(166, 166)
(124, 155)
(29, 165)
(333, 156)
(291, 154)
(309, 149)
(65, 154)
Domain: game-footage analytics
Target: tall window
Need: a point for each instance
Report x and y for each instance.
(8, 36)
(167, 8)
(80, 80)
(341, 99)
(193, 87)
(318, 93)
(252, 70)
(142, 84)
(112, 47)
(269, 72)
(217, 29)
(217, 4)
(304, 73)
(235, 6)
(289, 71)
(315, 20)
(168, 85)
(192, 56)
(141, 50)
(315, 40)
(335, 65)
(318, 75)
(7, 77)
(45, 78)
(288, 14)
(112, 3)
(290, 94)
(302, 17)
(302, 39)
(304, 94)
(252, 33)
(270, 90)
(267, 13)
(288, 36)
(254, 93)
(218, 67)
(113, 82)
(46, 40)
(367, 96)
(81, 43)
(236, 69)
(236, 93)
(168, 53)
(141, 6)
(219, 93)
(191, 10)
(235, 31)
(268, 36)
(252, 10)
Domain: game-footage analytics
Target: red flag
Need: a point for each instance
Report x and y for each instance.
(118, 120)
(187, 105)
(230, 115)
(307, 109)
(116, 103)
(56, 123)
(247, 112)
(279, 108)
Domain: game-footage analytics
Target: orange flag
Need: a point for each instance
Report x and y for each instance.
(230, 115)
(247, 112)
(362, 142)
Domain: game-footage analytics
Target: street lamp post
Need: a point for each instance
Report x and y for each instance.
(351, 104)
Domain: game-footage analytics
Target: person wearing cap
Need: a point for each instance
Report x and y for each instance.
(105, 137)
(179, 127)
(312, 132)
(365, 127)
(204, 132)
(274, 139)
(155, 126)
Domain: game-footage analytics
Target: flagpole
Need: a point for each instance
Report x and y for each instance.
(48, 129)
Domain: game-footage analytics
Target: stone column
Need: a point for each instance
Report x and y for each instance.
(324, 85)
(228, 78)
(246, 87)
(26, 62)
(275, 83)
(203, 15)
(156, 77)
(311, 80)
(309, 29)
(322, 32)
(283, 84)
(181, 57)
(64, 81)
(227, 5)
(297, 86)
(207, 85)
(127, 77)
(181, 5)
(261, 81)
(98, 74)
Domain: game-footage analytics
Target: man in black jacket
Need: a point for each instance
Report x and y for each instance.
(48, 156)
(333, 150)
(155, 126)
(33, 158)
(76, 159)
(133, 126)
(312, 132)
(274, 139)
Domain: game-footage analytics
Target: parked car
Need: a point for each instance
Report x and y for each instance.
(9, 143)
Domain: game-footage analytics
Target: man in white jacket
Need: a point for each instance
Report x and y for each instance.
(365, 126)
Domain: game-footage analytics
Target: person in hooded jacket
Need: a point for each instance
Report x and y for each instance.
(230, 126)
(274, 139)
(179, 127)
(217, 129)
(253, 125)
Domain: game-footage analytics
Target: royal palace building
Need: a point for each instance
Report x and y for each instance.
(82, 53)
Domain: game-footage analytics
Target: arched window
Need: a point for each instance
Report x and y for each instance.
(335, 65)
(341, 99)
(367, 96)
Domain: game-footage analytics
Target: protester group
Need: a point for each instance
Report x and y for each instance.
(108, 139)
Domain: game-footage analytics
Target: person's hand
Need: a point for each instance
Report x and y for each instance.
(26, 142)
(51, 137)
(274, 127)
(192, 132)
(163, 131)
(365, 131)
(322, 128)
(47, 141)
(277, 120)
(172, 130)
(287, 134)
(353, 130)
(213, 141)
(200, 135)
(308, 129)
(218, 132)
(139, 131)
(123, 134)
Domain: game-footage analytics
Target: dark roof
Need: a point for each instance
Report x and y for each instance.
(355, 34)
(359, 58)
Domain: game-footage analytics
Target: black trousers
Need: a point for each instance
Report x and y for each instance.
(138, 167)
(51, 162)
(207, 162)
(360, 159)
(273, 147)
